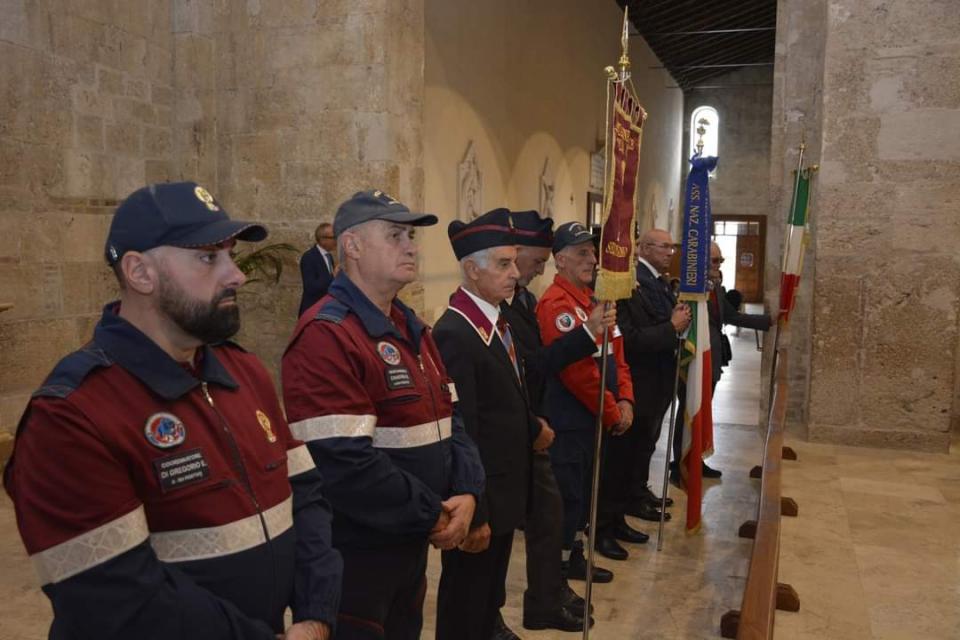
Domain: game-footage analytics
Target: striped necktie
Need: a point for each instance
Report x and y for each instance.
(507, 338)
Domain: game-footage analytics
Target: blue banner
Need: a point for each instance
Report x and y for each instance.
(697, 228)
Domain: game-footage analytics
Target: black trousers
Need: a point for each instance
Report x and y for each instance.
(571, 456)
(543, 536)
(382, 593)
(616, 477)
(471, 590)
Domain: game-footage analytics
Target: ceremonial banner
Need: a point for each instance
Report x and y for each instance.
(696, 367)
(617, 277)
(794, 247)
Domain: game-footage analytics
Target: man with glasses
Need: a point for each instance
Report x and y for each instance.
(650, 321)
(721, 312)
(317, 266)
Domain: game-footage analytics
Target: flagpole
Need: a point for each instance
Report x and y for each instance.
(620, 76)
(669, 447)
(783, 268)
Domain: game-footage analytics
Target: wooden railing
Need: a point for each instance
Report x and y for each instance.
(763, 594)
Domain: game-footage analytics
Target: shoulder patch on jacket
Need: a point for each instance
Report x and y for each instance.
(71, 371)
(333, 311)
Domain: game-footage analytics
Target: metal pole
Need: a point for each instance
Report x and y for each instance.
(666, 461)
(595, 486)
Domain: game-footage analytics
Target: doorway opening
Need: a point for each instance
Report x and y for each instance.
(742, 240)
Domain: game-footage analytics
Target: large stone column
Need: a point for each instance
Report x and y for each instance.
(885, 277)
(286, 108)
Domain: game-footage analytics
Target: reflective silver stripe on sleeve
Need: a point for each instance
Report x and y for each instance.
(453, 393)
(415, 436)
(223, 540)
(91, 548)
(334, 426)
(299, 461)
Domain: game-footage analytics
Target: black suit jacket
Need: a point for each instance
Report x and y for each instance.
(649, 342)
(541, 362)
(316, 277)
(497, 415)
(721, 312)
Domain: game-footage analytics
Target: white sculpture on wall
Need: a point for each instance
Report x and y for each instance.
(469, 185)
(546, 192)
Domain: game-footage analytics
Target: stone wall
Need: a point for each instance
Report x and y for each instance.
(744, 108)
(281, 108)
(886, 282)
(85, 117)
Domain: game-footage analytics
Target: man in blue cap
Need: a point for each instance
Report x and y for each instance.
(157, 487)
(365, 387)
(548, 602)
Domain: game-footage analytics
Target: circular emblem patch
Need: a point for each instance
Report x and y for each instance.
(565, 322)
(265, 424)
(164, 430)
(388, 353)
(581, 314)
(204, 196)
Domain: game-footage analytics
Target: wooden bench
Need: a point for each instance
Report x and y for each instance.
(763, 594)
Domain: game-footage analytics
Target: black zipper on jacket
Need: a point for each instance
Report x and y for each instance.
(245, 477)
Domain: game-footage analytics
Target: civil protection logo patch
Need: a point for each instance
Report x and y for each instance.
(388, 353)
(565, 322)
(164, 430)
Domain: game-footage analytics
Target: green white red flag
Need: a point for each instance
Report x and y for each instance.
(795, 245)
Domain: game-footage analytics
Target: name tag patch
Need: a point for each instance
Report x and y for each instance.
(398, 378)
(182, 469)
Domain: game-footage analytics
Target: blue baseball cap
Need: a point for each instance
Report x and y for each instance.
(176, 214)
(364, 206)
(569, 234)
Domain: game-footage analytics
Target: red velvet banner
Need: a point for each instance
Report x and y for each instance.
(616, 277)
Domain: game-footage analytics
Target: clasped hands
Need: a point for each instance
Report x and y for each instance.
(452, 528)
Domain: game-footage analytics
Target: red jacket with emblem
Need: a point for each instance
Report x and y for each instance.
(155, 501)
(562, 308)
(372, 400)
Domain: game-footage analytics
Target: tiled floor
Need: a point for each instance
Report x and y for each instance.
(874, 554)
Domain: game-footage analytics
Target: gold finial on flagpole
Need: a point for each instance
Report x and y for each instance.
(624, 62)
(701, 130)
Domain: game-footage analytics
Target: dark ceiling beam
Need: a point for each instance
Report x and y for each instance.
(667, 34)
(715, 66)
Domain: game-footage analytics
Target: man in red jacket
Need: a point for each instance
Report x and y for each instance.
(365, 388)
(571, 395)
(157, 487)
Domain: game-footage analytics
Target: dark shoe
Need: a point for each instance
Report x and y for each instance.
(646, 511)
(626, 533)
(607, 546)
(647, 495)
(571, 601)
(576, 569)
(711, 473)
(561, 618)
(502, 632)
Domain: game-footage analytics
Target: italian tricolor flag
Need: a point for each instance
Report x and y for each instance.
(795, 245)
(697, 414)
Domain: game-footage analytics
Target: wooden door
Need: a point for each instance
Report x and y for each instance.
(749, 268)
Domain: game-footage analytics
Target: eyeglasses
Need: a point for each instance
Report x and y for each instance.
(666, 246)
(717, 260)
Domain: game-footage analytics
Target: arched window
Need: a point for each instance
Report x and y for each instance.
(712, 125)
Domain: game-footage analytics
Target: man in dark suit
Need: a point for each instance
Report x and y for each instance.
(650, 321)
(317, 265)
(548, 602)
(721, 312)
(480, 355)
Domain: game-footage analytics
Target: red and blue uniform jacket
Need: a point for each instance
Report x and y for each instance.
(371, 398)
(571, 395)
(159, 500)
